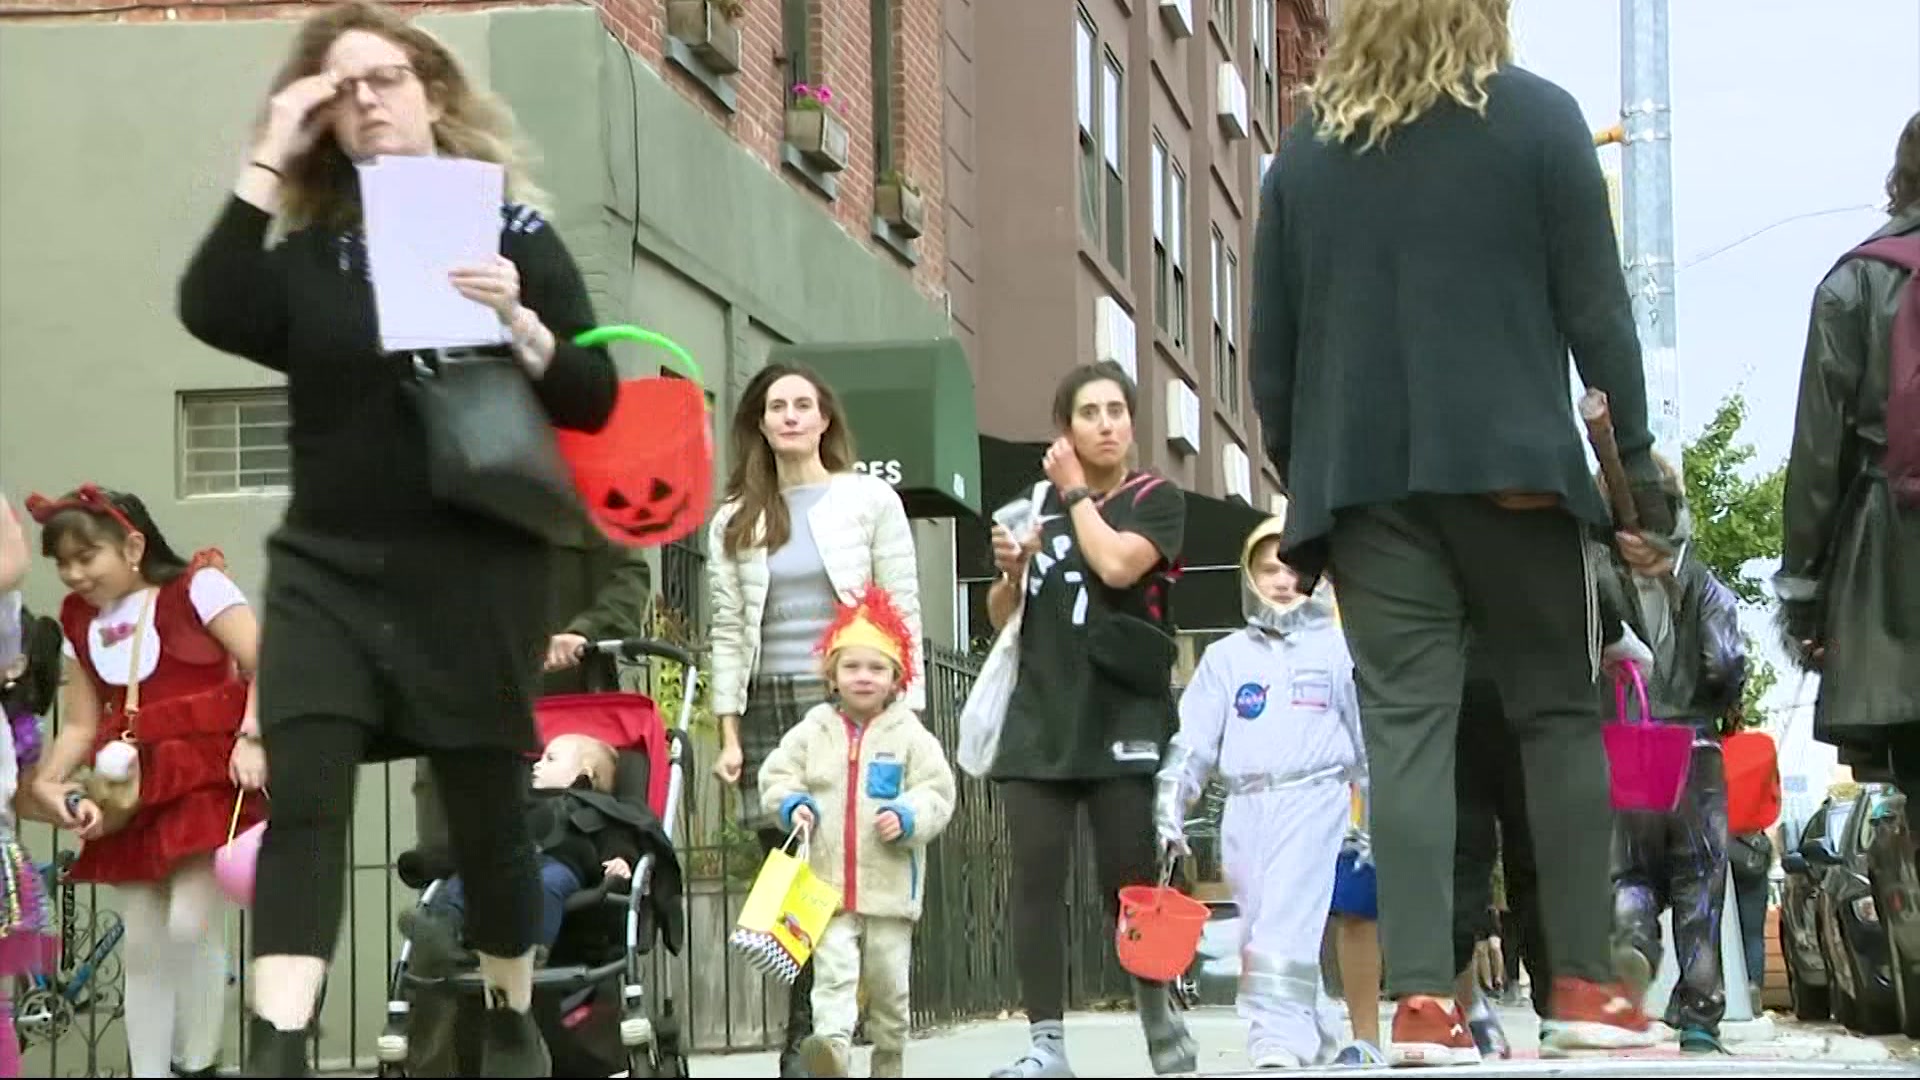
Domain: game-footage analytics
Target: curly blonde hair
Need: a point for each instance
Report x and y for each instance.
(1390, 61)
(320, 187)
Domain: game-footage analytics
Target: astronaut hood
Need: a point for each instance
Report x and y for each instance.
(1303, 613)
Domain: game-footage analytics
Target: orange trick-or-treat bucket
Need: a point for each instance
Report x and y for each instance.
(1159, 931)
(646, 478)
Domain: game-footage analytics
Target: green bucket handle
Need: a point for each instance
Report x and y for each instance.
(601, 335)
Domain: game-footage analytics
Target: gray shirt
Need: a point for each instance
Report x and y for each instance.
(800, 597)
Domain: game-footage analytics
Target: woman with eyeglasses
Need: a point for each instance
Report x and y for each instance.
(396, 626)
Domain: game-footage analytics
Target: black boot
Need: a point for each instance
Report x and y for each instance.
(799, 1023)
(275, 1053)
(512, 1045)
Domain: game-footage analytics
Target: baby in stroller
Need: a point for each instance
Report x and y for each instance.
(584, 834)
(602, 796)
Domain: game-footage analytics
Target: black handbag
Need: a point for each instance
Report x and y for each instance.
(1130, 651)
(490, 446)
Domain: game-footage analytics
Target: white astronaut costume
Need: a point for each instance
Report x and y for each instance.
(1273, 710)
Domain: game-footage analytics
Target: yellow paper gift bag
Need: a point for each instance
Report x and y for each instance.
(785, 913)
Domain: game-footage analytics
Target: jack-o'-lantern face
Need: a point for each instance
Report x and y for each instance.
(641, 514)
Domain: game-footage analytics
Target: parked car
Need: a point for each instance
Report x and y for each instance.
(1860, 973)
(1896, 891)
(1807, 979)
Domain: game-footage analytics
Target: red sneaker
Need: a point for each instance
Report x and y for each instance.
(1593, 1016)
(1428, 1032)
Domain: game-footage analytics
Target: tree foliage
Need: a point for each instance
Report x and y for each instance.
(1736, 521)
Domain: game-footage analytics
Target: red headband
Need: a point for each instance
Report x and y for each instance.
(88, 498)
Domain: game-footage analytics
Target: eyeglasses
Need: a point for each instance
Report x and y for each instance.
(381, 80)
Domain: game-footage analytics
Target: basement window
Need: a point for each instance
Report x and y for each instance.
(232, 442)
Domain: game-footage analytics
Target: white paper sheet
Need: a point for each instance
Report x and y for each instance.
(426, 216)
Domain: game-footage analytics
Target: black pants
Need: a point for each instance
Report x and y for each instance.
(800, 994)
(1490, 802)
(1679, 861)
(303, 859)
(1042, 821)
(1415, 578)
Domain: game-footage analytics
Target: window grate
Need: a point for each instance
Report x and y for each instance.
(232, 442)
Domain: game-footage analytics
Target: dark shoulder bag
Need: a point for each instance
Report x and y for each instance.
(490, 447)
(1132, 652)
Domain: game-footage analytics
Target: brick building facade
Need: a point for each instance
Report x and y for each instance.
(780, 43)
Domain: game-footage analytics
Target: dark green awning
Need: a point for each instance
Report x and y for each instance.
(910, 404)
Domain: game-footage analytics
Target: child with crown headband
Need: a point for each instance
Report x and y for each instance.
(872, 788)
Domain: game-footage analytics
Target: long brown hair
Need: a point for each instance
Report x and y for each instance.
(320, 185)
(1390, 61)
(1903, 183)
(761, 518)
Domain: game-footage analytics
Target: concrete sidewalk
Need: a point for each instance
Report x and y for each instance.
(1110, 1044)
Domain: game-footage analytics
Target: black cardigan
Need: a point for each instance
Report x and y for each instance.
(1413, 307)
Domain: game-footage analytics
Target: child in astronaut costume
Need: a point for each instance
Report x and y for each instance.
(1273, 710)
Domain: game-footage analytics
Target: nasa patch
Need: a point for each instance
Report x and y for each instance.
(1249, 701)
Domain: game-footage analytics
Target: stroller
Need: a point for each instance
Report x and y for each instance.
(589, 999)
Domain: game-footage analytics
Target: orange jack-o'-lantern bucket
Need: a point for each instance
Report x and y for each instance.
(646, 478)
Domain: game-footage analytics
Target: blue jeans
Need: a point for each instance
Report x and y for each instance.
(557, 882)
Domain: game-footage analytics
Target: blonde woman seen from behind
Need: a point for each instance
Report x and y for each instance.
(797, 534)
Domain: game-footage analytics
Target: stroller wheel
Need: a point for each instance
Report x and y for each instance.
(391, 1069)
(652, 1062)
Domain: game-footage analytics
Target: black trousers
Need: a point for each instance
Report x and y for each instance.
(1490, 804)
(1415, 579)
(1678, 861)
(1043, 820)
(302, 876)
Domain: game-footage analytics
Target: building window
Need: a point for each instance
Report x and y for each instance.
(1099, 84)
(1111, 127)
(1266, 72)
(1169, 243)
(881, 31)
(794, 39)
(232, 442)
(1226, 19)
(1226, 350)
(1177, 225)
(1085, 59)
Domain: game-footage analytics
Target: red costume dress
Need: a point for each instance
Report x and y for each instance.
(190, 711)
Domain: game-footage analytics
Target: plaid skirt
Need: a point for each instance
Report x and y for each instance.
(775, 703)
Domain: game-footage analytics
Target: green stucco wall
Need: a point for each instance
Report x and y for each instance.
(117, 145)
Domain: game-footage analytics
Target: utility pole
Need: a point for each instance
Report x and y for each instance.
(1646, 134)
(1646, 115)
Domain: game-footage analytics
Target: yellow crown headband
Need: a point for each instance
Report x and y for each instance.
(872, 621)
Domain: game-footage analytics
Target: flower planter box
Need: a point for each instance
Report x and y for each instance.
(820, 137)
(705, 29)
(901, 207)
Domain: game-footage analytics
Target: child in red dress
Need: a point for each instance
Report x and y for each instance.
(158, 700)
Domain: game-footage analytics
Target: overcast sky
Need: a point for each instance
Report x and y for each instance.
(1781, 108)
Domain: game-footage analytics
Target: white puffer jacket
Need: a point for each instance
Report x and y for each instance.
(860, 527)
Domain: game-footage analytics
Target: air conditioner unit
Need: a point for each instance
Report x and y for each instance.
(1178, 15)
(1113, 336)
(1235, 472)
(1183, 416)
(1231, 90)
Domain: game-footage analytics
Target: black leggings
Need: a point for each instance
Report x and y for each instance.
(1041, 819)
(302, 876)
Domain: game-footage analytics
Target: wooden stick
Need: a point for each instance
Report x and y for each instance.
(1598, 415)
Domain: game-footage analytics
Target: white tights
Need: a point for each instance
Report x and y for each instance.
(176, 967)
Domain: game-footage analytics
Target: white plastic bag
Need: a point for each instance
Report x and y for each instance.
(986, 709)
